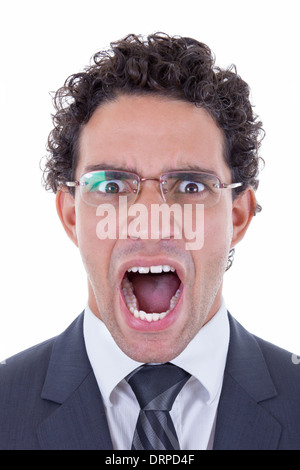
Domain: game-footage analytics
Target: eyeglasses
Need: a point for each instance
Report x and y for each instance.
(182, 187)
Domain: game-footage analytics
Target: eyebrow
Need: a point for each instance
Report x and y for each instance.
(198, 168)
(105, 166)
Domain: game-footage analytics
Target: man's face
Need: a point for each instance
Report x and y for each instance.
(151, 135)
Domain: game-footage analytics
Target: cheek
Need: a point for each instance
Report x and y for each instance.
(219, 218)
(95, 252)
(217, 231)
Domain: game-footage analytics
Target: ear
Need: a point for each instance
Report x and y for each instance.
(65, 206)
(243, 210)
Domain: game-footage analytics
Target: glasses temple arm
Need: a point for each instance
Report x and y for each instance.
(230, 186)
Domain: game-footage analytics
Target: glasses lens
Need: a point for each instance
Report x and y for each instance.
(191, 187)
(105, 187)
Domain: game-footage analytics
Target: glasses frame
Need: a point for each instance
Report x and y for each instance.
(160, 180)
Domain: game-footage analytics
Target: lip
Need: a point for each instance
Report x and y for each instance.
(144, 325)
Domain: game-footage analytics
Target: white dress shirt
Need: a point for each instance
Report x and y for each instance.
(194, 410)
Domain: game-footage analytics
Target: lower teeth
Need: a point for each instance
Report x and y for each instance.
(131, 303)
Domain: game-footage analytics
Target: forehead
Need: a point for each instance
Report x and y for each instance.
(149, 135)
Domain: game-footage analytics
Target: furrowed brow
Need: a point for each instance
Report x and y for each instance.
(106, 166)
(109, 166)
(190, 167)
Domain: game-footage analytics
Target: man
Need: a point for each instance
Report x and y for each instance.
(153, 123)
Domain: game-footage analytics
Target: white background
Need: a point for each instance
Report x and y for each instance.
(43, 286)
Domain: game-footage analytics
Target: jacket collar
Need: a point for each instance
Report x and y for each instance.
(242, 421)
(79, 422)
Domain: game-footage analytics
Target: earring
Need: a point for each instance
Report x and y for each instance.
(230, 259)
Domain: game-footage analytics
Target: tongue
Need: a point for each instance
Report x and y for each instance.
(154, 291)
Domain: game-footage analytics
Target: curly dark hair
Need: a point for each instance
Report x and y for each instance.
(175, 67)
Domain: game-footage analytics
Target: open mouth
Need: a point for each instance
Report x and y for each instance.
(151, 292)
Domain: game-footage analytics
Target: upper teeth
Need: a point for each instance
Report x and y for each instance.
(153, 269)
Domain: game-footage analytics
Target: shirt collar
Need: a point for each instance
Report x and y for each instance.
(204, 357)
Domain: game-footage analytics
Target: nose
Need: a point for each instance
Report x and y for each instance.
(150, 191)
(156, 220)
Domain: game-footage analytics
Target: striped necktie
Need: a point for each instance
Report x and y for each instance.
(156, 387)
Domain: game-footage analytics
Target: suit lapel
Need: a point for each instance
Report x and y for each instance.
(79, 421)
(243, 422)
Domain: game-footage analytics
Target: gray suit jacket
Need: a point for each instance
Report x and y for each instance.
(49, 397)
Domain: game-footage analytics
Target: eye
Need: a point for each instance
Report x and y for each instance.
(191, 187)
(109, 187)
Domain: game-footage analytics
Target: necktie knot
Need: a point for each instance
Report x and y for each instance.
(157, 386)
